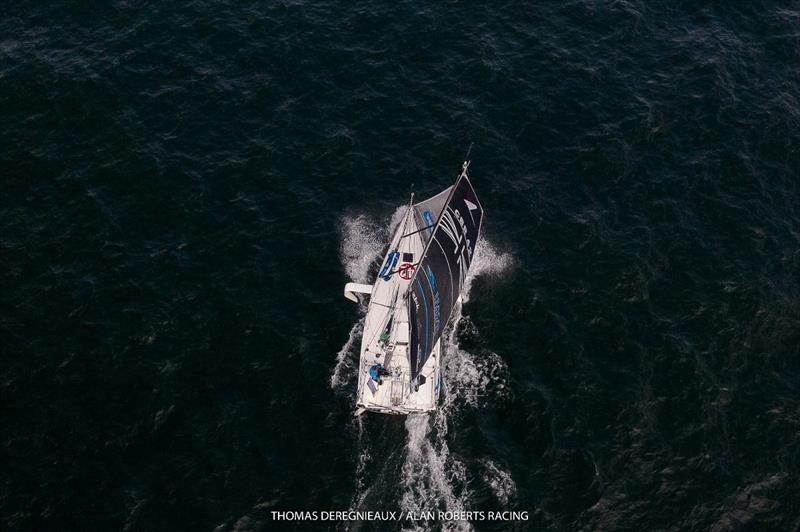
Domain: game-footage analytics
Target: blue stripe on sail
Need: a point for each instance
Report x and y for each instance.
(424, 304)
(428, 220)
(437, 304)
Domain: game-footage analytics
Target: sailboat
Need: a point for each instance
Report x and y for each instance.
(418, 285)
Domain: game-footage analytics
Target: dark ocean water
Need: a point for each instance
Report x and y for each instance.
(187, 187)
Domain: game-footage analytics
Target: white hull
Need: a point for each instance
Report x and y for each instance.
(387, 313)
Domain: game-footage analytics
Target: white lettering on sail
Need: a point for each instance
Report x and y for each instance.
(454, 226)
(450, 228)
(471, 206)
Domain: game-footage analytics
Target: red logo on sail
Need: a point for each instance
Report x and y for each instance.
(406, 271)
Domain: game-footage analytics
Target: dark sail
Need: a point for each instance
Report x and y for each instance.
(440, 275)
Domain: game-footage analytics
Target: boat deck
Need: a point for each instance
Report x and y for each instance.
(395, 394)
(386, 335)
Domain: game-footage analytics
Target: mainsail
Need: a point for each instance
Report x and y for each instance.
(440, 275)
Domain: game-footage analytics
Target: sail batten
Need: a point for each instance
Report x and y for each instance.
(442, 270)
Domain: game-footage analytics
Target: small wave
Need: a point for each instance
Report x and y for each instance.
(488, 260)
(362, 240)
(468, 376)
(364, 457)
(499, 481)
(360, 245)
(432, 480)
(346, 358)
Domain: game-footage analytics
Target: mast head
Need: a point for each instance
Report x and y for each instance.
(466, 159)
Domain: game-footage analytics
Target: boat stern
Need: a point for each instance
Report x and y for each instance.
(393, 392)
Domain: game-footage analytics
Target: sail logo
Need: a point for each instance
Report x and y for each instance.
(431, 278)
(391, 261)
(429, 220)
(454, 226)
(435, 298)
(472, 207)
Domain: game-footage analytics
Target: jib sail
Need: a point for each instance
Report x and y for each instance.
(440, 275)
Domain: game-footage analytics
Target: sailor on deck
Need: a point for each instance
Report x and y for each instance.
(376, 371)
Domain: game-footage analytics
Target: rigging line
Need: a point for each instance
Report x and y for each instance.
(418, 230)
(469, 150)
(405, 224)
(380, 329)
(414, 264)
(409, 215)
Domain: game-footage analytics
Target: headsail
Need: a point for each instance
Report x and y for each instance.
(440, 275)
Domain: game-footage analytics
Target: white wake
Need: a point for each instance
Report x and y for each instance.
(432, 478)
